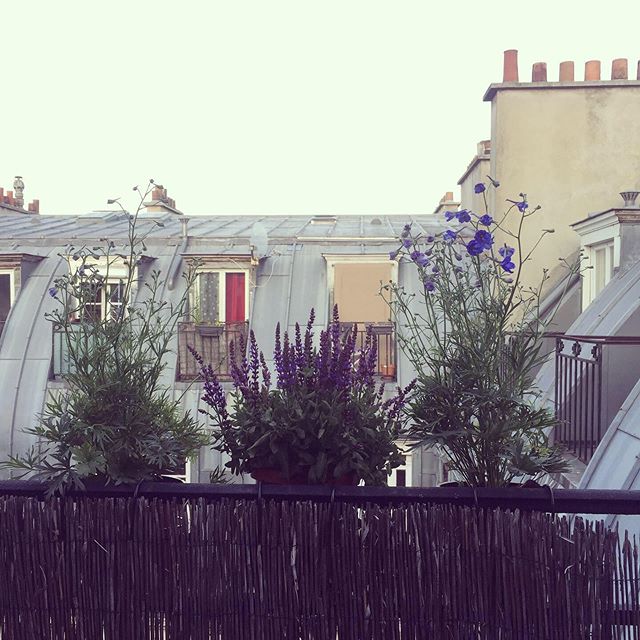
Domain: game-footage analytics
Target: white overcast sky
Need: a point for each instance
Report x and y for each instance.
(271, 106)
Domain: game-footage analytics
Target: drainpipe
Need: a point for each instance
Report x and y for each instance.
(288, 307)
(174, 271)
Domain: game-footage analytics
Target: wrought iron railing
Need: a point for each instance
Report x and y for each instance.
(594, 375)
(385, 341)
(212, 342)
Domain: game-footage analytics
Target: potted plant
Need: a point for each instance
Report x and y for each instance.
(324, 421)
(114, 422)
(474, 335)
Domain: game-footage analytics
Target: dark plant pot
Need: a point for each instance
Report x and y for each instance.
(209, 329)
(528, 484)
(275, 476)
(104, 481)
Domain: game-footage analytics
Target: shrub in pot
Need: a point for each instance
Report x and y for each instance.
(474, 336)
(324, 421)
(115, 422)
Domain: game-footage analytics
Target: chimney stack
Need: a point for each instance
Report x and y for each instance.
(18, 186)
(510, 69)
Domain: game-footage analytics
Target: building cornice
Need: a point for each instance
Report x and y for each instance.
(536, 86)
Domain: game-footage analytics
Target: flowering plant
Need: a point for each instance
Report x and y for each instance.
(325, 418)
(474, 336)
(115, 419)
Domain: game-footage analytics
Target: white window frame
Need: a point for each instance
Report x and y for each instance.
(12, 284)
(373, 258)
(118, 272)
(222, 291)
(596, 232)
(407, 467)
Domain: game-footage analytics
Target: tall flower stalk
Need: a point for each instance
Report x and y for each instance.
(474, 336)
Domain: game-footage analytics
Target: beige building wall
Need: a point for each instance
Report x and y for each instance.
(571, 146)
(476, 172)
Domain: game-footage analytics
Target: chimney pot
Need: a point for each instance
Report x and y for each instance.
(619, 69)
(567, 73)
(539, 72)
(629, 198)
(510, 68)
(592, 70)
(36, 206)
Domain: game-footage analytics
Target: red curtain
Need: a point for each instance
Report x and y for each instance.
(235, 311)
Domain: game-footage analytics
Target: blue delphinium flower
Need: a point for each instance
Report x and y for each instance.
(474, 248)
(407, 242)
(429, 285)
(485, 220)
(463, 216)
(508, 265)
(449, 215)
(522, 205)
(449, 235)
(53, 292)
(429, 239)
(484, 238)
(506, 252)
(422, 260)
(406, 231)
(479, 188)
(393, 254)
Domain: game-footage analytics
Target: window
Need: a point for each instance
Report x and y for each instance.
(602, 260)
(401, 476)
(7, 294)
(354, 285)
(104, 302)
(219, 297)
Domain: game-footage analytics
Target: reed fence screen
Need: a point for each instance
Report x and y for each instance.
(95, 568)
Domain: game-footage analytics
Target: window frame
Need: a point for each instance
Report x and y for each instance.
(222, 292)
(4, 271)
(332, 260)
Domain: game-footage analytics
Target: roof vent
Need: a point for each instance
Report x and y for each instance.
(324, 220)
(376, 221)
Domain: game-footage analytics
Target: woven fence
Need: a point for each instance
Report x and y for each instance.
(91, 568)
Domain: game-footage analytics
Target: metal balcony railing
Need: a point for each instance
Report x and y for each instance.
(212, 342)
(593, 377)
(385, 340)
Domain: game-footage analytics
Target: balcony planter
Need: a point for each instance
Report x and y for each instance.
(210, 330)
(268, 475)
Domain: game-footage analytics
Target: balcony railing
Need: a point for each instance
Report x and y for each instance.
(594, 375)
(385, 340)
(212, 342)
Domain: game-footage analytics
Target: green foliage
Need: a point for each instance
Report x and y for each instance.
(115, 420)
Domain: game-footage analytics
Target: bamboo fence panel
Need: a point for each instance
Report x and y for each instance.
(91, 568)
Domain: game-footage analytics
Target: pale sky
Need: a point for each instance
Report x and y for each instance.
(272, 106)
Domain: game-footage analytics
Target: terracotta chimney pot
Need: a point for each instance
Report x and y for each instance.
(539, 72)
(592, 70)
(510, 69)
(567, 73)
(619, 69)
